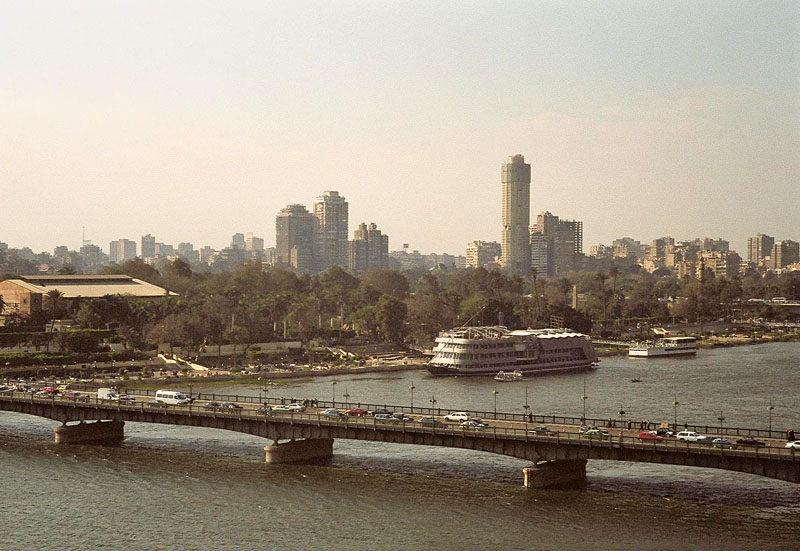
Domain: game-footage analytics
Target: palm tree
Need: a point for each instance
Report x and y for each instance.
(53, 302)
(532, 273)
(565, 286)
(601, 279)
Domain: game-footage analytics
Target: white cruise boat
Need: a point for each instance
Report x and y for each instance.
(668, 346)
(508, 376)
(487, 350)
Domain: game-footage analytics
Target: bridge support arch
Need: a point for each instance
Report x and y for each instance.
(299, 451)
(548, 474)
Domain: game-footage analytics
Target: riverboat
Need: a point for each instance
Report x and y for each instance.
(487, 350)
(668, 346)
(508, 376)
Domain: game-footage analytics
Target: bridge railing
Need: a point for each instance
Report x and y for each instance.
(567, 437)
(536, 419)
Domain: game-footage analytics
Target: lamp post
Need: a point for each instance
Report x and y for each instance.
(526, 407)
(721, 419)
(771, 407)
(495, 401)
(346, 397)
(433, 403)
(333, 393)
(584, 398)
(621, 421)
(411, 389)
(675, 405)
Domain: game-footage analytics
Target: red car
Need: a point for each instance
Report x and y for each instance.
(647, 435)
(356, 411)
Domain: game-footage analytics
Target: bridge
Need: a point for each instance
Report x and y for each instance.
(556, 457)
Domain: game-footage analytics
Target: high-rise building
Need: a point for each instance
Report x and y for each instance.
(481, 253)
(784, 253)
(295, 233)
(148, 246)
(368, 250)
(122, 250)
(516, 185)
(253, 244)
(758, 247)
(564, 242)
(540, 253)
(237, 241)
(331, 209)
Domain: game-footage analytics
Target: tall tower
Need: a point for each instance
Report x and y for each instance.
(331, 211)
(295, 229)
(516, 179)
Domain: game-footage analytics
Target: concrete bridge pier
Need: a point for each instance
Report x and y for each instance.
(299, 451)
(99, 432)
(548, 474)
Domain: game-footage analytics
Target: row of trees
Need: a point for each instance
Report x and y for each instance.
(252, 304)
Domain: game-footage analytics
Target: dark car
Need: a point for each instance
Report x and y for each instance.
(212, 405)
(230, 405)
(750, 442)
(431, 422)
(664, 431)
(543, 431)
(383, 411)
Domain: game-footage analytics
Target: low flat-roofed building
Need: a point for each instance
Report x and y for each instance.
(28, 294)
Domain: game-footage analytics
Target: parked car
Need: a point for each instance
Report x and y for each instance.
(356, 411)
(457, 416)
(793, 445)
(332, 413)
(473, 424)
(431, 422)
(750, 442)
(649, 435)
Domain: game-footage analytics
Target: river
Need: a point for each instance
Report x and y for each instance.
(170, 486)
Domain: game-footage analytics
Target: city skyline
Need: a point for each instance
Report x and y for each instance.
(639, 120)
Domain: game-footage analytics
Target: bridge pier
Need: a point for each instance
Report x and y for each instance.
(569, 472)
(299, 451)
(99, 432)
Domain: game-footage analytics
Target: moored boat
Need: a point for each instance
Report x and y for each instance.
(508, 376)
(668, 346)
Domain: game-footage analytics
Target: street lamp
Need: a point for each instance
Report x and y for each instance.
(720, 419)
(346, 397)
(675, 405)
(433, 403)
(621, 421)
(526, 407)
(411, 388)
(584, 398)
(495, 401)
(333, 393)
(771, 407)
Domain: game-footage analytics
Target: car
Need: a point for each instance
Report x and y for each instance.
(212, 405)
(385, 418)
(383, 411)
(543, 431)
(690, 436)
(332, 413)
(229, 405)
(600, 434)
(358, 412)
(474, 424)
(402, 417)
(585, 429)
(795, 445)
(722, 443)
(431, 422)
(157, 404)
(264, 410)
(282, 408)
(457, 416)
(649, 435)
(296, 408)
(664, 431)
(749, 441)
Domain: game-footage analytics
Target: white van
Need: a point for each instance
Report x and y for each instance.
(172, 397)
(107, 394)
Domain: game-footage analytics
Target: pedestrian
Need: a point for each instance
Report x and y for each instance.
(791, 435)
(530, 417)
(786, 432)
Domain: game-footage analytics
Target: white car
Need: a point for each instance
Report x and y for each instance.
(690, 436)
(793, 445)
(457, 416)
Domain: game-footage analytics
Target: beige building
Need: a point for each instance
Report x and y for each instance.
(784, 253)
(516, 182)
(368, 250)
(331, 209)
(481, 253)
(295, 235)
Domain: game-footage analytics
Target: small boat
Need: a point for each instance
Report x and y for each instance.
(508, 376)
(636, 380)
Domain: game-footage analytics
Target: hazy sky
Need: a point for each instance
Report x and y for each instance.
(194, 120)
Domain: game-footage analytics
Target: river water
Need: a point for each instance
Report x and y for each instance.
(169, 486)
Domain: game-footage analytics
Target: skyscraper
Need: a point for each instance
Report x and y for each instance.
(368, 250)
(758, 247)
(331, 248)
(295, 231)
(148, 246)
(122, 250)
(516, 181)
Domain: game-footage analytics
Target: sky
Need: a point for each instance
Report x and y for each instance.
(195, 120)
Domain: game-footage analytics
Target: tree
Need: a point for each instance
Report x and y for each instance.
(388, 282)
(134, 268)
(391, 316)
